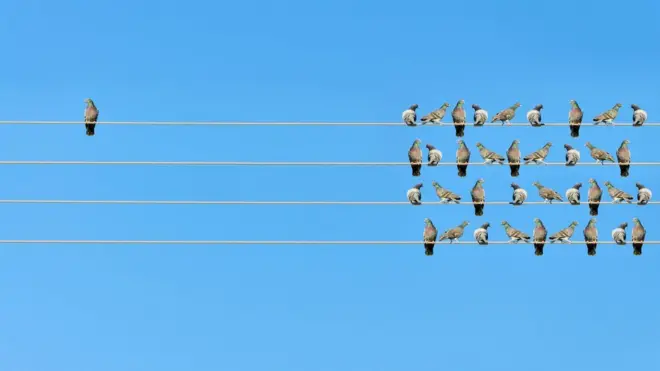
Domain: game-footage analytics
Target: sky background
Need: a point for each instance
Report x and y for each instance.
(256, 308)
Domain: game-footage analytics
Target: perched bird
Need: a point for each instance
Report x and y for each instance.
(572, 155)
(598, 154)
(575, 118)
(478, 197)
(480, 115)
(534, 116)
(564, 236)
(415, 195)
(617, 195)
(458, 115)
(519, 195)
(539, 235)
(573, 194)
(489, 156)
(539, 156)
(608, 116)
(409, 116)
(454, 234)
(593, 196)
(435, 156)
(623, 156)
(506, 115)
(643, 194)
(481, 234)
(436, 116)
(91, 115)
(638, 237)
(462, 158)
(547, 194)
(639, 115)
(591, 237)
(514, 234)
(445, 195)
(619, 234)
(513, 156)
(430, 234)
(415, 158)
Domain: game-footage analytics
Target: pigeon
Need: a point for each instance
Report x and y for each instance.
(409, 116)
(415, 195)
(608, 116)
(478, 197)
(564, 236)
(573, 194)
(480, 115)
(458, 115)
(489, 156)
(415, 158)
(591, 237)
(593, 196)
(534, 116)
(643, 194)
(506, 115)
(547, 194)
(598, 154)
(91, 115)
(514, 234)
(539, 235)
(617, 195)
(572, 155)
(445, 195)
(519, 195)
(638, 236)
(623, 156)
(513, 156)
(639, 115)
(481, 234)
(619, 234)
(436, 116)
(539, 156)
(575, 118)
(430, 234)
(435, 156)
(462, 158)
(454, 234)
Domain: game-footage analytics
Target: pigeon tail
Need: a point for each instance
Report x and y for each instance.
(575, 131)
(416, 170)
(624, 170)
(90, 129)
(460, 130)
(515, 170)
(428, 247)
(593, 209)
(538, 249)
(637, 249)
(478, 209)
(462, 170)
(591, 249)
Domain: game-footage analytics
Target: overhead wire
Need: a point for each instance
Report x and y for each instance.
(240, 202)
(298, 163)
(247, 242)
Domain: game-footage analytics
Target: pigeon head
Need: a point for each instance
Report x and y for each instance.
(608, 184)
(568, 147)
(617, 106)
(418, 185)
(485, 225)
(476, 107)
(430, 146)
(548, 145)
(623, 225)
(639, 185)
(577, 185)
(414, 107)
(633, 106)
(538, 107)
(514, 186)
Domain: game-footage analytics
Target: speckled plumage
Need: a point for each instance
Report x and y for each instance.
(538, 157)
(489, 156)
(572, 155)
(519, 195)
(547, 194)
(639, 115)
(617, 195)
(430, 235)
(643, 194)
(598, 154)
(478, 194)
(619, 234)
(91, 116)
(638, 236)
(481, 234)
(409, 116)
(591, 237)
(415, 158)
(623, 157)
(434, 156)
(573, 194)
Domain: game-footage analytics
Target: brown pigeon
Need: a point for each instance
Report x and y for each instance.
(415, 158)
(462, 158)
(430, 234)
(480, 115)
(623, 156)
(409, 116)
(643, 194)
(454, 234)
(547, 194)
(478, 197)
(564, 236)
(458, 115)
(638, 237)
(617, 195)
(506, 115)
(598, 154)
(539, 235)
(594, 196)
(591, 237)
(91, 115)
(513, 156)
(639, 115)
(608, 116)
(575, 118)
(436, 116)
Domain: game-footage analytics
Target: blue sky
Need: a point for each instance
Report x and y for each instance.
(245, 308)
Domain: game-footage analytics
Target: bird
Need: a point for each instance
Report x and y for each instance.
(480, 115)
(643, 194)
(514, 234)
(445, 195)
(617, 195)
(564, 236)
(519, 195)
(619, 234)
(593, 196)
(409, 116)
(91, 115)
(455, 233)
(489, 156)
(573, 194)
(598, 154)
(458, 116)
(638, 236)
(539, 156)
(623, 157)
(575, 118)
(639, 115)
(481, 234)
(572, 155)
(513, 156)
(534, 116)
(506, 115)
(608, 116)
(591, 237)
(462, 158)
(539, 235)
(434, 156)
(430, 234)
(415, 158)
(436, 116)
(547, 194)
(478, 197)
(415, 195)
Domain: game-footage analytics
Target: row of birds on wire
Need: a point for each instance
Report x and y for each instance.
(513, 156)
(534, 117)
(539, 235)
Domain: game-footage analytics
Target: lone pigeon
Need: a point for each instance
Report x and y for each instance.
(575, 118)
(643, 194)
(415, 195)
(514, 234)
(598, 154)
(506, 115)
(594, 196)
(430, 234)
(591, 237)
(619, 234)
(639, 115)
(608, 116)
(617, 195)
(458, 115)
(513, 156)
(481, 234)
(539, 235)
(534, 116)
(435, 156)
(445, 195)
(478, 197)
(547, 194)
(436, 116)
(564, 236)
(539, 156)
(415, 158)
(454, 234)
(572, 155)
(462, 158)
(519, 195)
(638, 237)
(409, 116)
(480, 115)
(91, 115)
(573, 194)
(623, 156)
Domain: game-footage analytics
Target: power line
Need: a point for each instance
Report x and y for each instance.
(291, 163)
(221, 202)
(240, 242)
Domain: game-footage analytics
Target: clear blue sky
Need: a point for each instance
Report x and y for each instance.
(255, 308)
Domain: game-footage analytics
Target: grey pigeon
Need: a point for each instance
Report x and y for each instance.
(434, 156)
(539, 156)
(617, 195)
(489, 156)
(619, 234)
(436, 116)
(573, 194)
(608, 116)
(445, 195)
(91, 115)
(478, 197)
(519, 195)
(572, 155)
(454, 234)
(462, 158)
(534, 116)
(415, 158)
(514, 234)
(598, 154)
(409, 116)
(575, 118)
(458, 116)
(513, 156)
(594, 196)
(643, 194)
(639, 115)
(506, 115)
(430, 235)
(623, 156)
(547, 194)
(539, 235)
(414, 194)
(638, 237)
(481, 234)
(480, 115)
(591, 237)
(564, 236)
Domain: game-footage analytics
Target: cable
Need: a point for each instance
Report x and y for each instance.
(239, 242)
(291, 163)
(201, 202)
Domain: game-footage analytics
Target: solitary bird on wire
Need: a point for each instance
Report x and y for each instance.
(455, 233)
(591, 237)
(414, 194)
(539, 156)
(619, 234)
(519, 195)
(514, 234)
(91, 115)
(608, 116)
(639, 115)
(430, 235)
(415, 158)
(572, 155)
(617, 195)
(575, 118)
(489, 156)
(478, 197)
(513, 156)
(638, 237)
(462, 158)
(534, 116)
(458, 116)
(435, 156)
(598, 154)
(436, 116)
(481, 234)
(573, 194)
(547, 194)
(506, 115)
(480, 115)
(643, 194)
(409, 116)
(623, 156)
(564, 236)
(446, 196)
(539, 235)
(594, 196)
